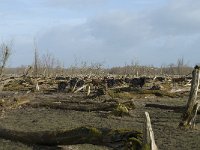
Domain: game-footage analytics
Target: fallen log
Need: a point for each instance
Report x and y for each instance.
(166, 107)
(160, 93)
(123, 139)
(178, 109)
(59, 105)
(83, 106)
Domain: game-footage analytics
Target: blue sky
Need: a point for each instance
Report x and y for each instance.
(112, 32)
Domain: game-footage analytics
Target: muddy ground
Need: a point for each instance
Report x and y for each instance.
(164, 121)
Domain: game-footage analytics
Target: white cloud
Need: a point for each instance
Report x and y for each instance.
(164, 34)
(177, 18)
(154, 36)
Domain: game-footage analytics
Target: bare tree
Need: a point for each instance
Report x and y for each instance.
(171, 70)
(36, 60)
(5, 52)
(50, 64)
(180, 66)
(97, 68)
(134, 66)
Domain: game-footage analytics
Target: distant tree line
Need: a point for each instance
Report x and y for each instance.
(48, 65)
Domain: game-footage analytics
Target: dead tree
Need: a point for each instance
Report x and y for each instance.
(27, 70)
(36, 59)
(116, 139)
(188, 118)
(5, 51)
(148, 135)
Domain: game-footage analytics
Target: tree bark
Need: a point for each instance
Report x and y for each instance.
(192, 104)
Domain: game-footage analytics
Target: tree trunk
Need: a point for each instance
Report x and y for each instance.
(148, 135)
(83, 135)
(192, 105)
(83, 106)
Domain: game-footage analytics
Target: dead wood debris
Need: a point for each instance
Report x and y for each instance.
(117, 139)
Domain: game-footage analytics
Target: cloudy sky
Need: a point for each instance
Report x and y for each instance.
(111, 32)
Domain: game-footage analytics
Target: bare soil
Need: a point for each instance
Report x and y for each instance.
(164, 121)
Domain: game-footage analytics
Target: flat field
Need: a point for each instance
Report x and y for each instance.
(165, 113)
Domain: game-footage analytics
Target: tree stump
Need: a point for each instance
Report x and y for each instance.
(148, 135)
(188, 118)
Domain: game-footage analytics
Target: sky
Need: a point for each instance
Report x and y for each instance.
(110, 32)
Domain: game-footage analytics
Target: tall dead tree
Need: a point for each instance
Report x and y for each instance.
(5, 51)
(189, 116)
(35, 63)
(36, 60)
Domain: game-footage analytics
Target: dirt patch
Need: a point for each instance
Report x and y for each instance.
(164, 121)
